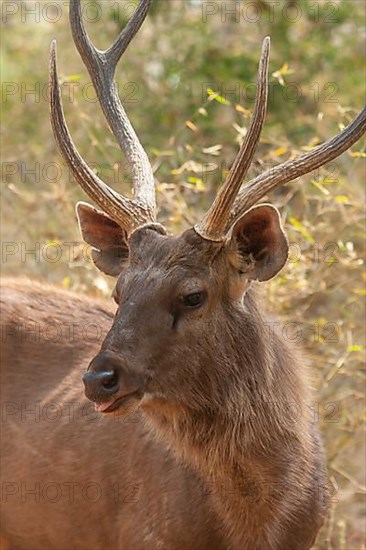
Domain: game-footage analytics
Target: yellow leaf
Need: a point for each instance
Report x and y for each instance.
(319, 186)
(357, 154)
(213, 96)
(355, 347)
(162, 153)
(54, 242)
(191, 126)
(199, 184)
(66, 282)
(304, 232)
(359, 291)
(243, 110)
(72, 78)
(278, 152)
(341, 199)
(283, 71)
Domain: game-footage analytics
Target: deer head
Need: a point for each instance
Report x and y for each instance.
(182, 322)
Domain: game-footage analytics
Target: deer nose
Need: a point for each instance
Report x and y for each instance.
(100, 384)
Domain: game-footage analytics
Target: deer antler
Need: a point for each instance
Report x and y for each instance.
(303, 164)
(213, 226)
(229, 205)
(101, 66)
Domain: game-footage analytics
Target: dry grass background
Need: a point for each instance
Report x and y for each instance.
(317, 71)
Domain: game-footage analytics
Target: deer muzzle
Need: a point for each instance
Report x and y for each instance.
(112, 384)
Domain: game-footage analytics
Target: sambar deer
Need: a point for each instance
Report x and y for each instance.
(211, 457)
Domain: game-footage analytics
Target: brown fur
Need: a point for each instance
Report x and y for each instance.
(210, 446)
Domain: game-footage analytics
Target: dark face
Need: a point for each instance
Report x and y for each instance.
(178, 299)
(167, 295)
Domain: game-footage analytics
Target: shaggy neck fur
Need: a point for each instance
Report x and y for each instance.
(252, 444)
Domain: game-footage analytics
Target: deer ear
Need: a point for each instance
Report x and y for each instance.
(260, 242)
(107, 239)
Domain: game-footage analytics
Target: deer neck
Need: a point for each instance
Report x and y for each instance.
(242, 448)
(242, 480)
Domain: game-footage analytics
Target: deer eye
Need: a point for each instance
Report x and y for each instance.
(194, 300)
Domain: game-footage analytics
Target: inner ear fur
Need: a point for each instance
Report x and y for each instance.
(258, 243)
(107, 239)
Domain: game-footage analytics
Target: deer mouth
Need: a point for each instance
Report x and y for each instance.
(118, 402)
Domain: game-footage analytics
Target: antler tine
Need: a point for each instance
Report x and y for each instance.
(101, 67)
(215, 223)
(122, 210)
(303, 164)
(122, 41)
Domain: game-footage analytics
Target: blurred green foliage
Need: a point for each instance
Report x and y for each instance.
(188, 86)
